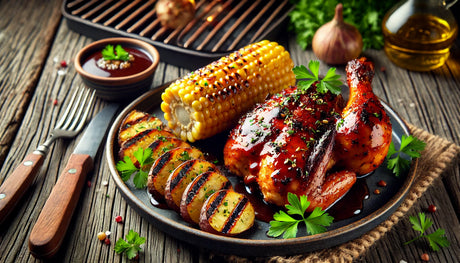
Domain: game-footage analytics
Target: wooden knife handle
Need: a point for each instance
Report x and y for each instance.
(14, 187)
(51, 226)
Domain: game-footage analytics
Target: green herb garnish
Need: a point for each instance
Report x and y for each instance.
(284, 224)
(131, 246)
(127, 167)
(310, 75)
(108, 53)
(437, 239)
(308, 15)
(410, 146)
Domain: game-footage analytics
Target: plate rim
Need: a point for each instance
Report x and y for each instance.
(253, 247)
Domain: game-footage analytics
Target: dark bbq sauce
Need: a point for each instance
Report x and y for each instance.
(141, 62)
(264, 211)
(348, 206)
(159, 204)
(351, 204)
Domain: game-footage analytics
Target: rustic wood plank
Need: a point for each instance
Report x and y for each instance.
(428, 100)
(391, 248)
(25, 47)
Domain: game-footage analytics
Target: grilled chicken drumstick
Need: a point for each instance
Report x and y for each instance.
(364, 136)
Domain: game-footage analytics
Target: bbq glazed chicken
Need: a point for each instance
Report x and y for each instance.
(364, 135)
(291, 143)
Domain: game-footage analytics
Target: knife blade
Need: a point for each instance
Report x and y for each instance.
(48, 232)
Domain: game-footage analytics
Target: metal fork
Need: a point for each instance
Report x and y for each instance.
(68, 126)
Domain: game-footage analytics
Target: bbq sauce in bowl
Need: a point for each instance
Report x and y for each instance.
(126, 82)
(140, 63)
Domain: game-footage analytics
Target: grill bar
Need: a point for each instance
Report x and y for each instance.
(251, 24)
(268, 21)
(219, 26)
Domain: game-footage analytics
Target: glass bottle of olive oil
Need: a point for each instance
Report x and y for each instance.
(419, 33)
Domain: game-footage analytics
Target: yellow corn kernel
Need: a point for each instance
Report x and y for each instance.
(212, 98)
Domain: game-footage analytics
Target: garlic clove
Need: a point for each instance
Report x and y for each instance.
(337, 42)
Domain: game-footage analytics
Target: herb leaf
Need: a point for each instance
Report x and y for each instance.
(131, 246)
(127, 167)
(310, 75)
(108, 53)
(436, 239)
(317, 221)
(284, 224)
(140, 179)
(410, 146)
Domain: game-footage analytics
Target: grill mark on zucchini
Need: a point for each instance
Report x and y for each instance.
(182, 173)
(234, 215)
(162, 161)
(136, 138)
(154, 145)
(196, 187)
(215, 203)
(134, 122)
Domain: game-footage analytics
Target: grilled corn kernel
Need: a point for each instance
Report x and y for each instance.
(211, 99)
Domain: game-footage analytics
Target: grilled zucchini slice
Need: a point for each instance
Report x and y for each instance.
(141, 140)
(198, 191)
(181, 177)
(227, 212)
(165, 165)
(136, 122)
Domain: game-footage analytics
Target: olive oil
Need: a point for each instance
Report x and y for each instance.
(421, 42)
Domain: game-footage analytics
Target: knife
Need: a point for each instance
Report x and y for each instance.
(49, 230)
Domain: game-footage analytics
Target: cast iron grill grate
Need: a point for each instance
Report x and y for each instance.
(219, 26)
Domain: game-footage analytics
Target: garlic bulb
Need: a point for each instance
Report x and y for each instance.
(337, 42)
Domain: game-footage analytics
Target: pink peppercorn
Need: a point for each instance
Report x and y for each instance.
(425, 257)
(118, 219)
(107, 241)
(63, 64)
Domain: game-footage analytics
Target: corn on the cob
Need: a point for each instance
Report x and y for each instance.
(209, 100)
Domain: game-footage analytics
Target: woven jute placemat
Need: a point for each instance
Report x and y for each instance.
(437, 156)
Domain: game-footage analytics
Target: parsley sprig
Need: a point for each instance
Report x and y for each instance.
(131, 246)
(310, 75)
(127, 168)
(109, 53)
(410, 146)
(284, 224)
(421, 223)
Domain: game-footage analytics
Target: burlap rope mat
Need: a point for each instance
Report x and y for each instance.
(436, 157)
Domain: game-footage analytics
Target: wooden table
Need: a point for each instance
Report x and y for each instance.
(34, 38)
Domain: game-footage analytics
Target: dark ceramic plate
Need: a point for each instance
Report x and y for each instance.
(375, 209)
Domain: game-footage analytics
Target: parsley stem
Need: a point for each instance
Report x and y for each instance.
(413, 240)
